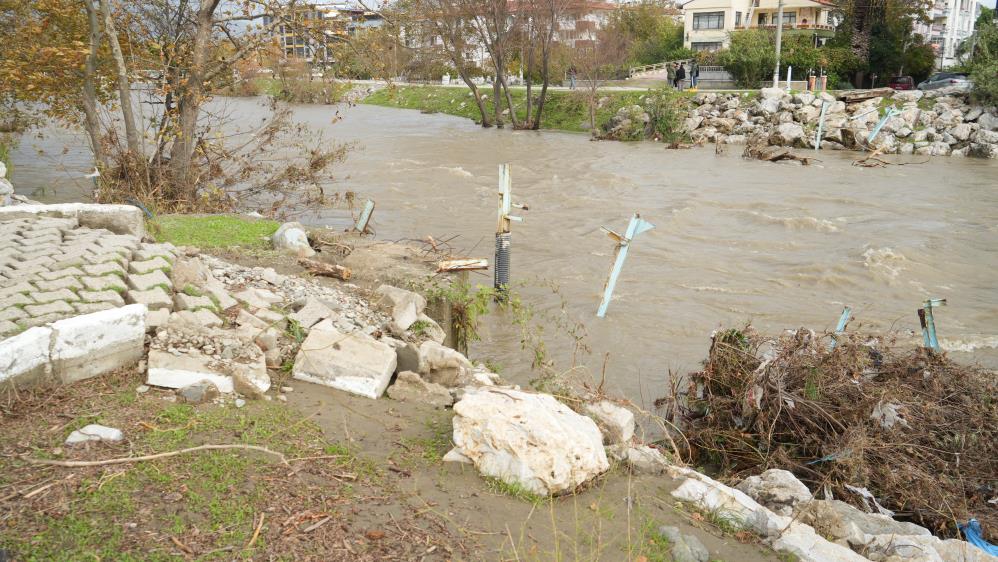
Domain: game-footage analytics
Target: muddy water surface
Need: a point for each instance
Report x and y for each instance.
(779, 245)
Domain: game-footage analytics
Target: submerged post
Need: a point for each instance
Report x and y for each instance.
(635, 227)
(841, 326)
(928, 323)
(365, 217)
(501, 280)
(821, 126)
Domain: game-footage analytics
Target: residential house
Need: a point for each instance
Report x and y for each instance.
(951, 22)
(307, 33)
(709, 23)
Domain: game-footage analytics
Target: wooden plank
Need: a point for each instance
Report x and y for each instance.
(466, 264)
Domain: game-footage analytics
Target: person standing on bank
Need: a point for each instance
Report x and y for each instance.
(694, 73)
(680, 76)
(670, 73)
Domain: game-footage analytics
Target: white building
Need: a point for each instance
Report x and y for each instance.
(709, 23)
(952, 23)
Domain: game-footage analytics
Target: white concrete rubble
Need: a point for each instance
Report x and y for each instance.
(409, 387)
(292, 238)
(24, 358)
(777, 489)
(528, 439)
(93, 433)
(616, 422)
(93, 344)
(443, 365)
(406, 306)
(355, 362)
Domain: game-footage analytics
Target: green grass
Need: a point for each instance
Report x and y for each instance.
(563, 110)
(213, 231)
(513, 490)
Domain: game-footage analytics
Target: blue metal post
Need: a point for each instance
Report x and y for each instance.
(883, 121)
(635, 227)
(929, 330)
(841, 326)
(365, 217)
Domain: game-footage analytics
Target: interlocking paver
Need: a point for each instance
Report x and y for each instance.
(149, 251)
(62, 283)
(48, 239)
(47, 318)
(8, 328)
(24, 265)
(30, 233)
(12, 313)
(44, 297)
(147, 281)
(88, 307)
(46, 250)
(18, 299)
(103, 283)
(60, 273)
(188, 302)
(155, 298)
(57, 307)
(104, 257)
(102, 296)
(17, 287)
(106, 268)
(148, 266)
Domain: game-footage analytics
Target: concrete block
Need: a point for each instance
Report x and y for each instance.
(24, 358)
(60, 273)
(187, 302)
(105, 268)
(12, 314)
(61, 283)
(355, 363)
(197, 318)
(148, 266)
(121, 219)
(156, 318)
(57, 307)
(154, 298)
(91, 307)
(112, 297)
(93, 344)
(144, 282)
(103, 283)
(177, 371)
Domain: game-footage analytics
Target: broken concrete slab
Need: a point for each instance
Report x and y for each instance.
(93, 344)
(24, 358)
(409, 387)
(177, 371)
(616, 422)
(355, 363)
(312, 313)
(443, 365)
(95, 433)
(406, 306)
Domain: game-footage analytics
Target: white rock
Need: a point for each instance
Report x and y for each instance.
(779, 490)
(355, 363)
(177, 371)
(616, 422)
(406, 306)
(312, 313)
(528, 439)
(93, 344)
(291, 237)
(94, 432)
(640, 458)
(409, 387)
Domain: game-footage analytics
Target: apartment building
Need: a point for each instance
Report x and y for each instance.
(307, 33)
(951, 22)
(709, 23)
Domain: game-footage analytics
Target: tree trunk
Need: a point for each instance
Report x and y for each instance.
(92, 122)
(545, 67)
(124, 87)
(496, 104)
(190, 98)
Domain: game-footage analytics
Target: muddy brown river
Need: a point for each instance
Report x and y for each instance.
(735, 241)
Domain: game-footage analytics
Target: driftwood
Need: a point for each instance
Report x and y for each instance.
(852, 96)
(773, 154)
(873, 160)
(122, 460)
(326, 269)
(466, 264)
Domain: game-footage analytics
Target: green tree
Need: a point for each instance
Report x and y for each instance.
(984, 64)
(750, 57)
(651, 33)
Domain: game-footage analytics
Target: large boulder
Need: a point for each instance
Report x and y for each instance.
(354, 362)
(292, 238)
(844, 524)
(787, 134)
(530, 440)
(988, 121)
(779, 490)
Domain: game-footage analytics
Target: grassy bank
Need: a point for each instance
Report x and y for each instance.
(563, 110)
(213, 231)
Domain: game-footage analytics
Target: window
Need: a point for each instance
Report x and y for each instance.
(738, 19)
(789, 18)
(708, 20)
(706, 46)
(762, 19)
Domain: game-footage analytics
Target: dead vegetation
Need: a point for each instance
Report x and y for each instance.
(916, 429)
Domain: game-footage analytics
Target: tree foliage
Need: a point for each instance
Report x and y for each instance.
(651, 33)
(984, 64)
(750, 58)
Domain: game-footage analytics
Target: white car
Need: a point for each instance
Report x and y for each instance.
(957, 81)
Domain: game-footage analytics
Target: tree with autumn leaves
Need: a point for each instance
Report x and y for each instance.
(101, 64)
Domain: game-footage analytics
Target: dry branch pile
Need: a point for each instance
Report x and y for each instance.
(919, 431)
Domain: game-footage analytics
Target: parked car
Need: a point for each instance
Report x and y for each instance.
(947, 80)
(901, 83)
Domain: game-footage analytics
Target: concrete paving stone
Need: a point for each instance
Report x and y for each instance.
(9, 250)
(8, 328)
(23, 265)
(62, 283)
(149, 280)
(34, 232)
(57, 307)
(157, 318)
(93, 344)
(60, 273)
(155, 298)
(32, 253)
(67, 223)
(104, 257)
(183, 301)
(44, 319)
(66, 261)
(12, 313)
(88, 307)
(119, 241)
(112, 297)
(103, 283)
(45, 297)
(16, 287)
(106, 268)
(53, 239)
(76, 247)
(30, 272)
(17, 299)
(149, 251)
(148, 266)
(196, 318)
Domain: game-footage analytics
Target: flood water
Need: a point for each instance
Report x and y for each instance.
(735, 241)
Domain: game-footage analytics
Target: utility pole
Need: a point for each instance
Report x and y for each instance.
(779, 44)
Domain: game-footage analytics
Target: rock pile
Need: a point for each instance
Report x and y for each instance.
(938, 122)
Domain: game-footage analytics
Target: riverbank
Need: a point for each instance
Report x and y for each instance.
(935, 123)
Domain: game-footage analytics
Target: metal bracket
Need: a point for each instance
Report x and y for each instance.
(634, 228)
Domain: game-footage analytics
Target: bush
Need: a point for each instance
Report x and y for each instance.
(984, 64)
(666, 108)
(750, 58)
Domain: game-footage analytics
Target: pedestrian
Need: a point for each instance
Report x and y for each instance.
(694, 73)
(571, 78)
(670, 73)
(680, 76)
